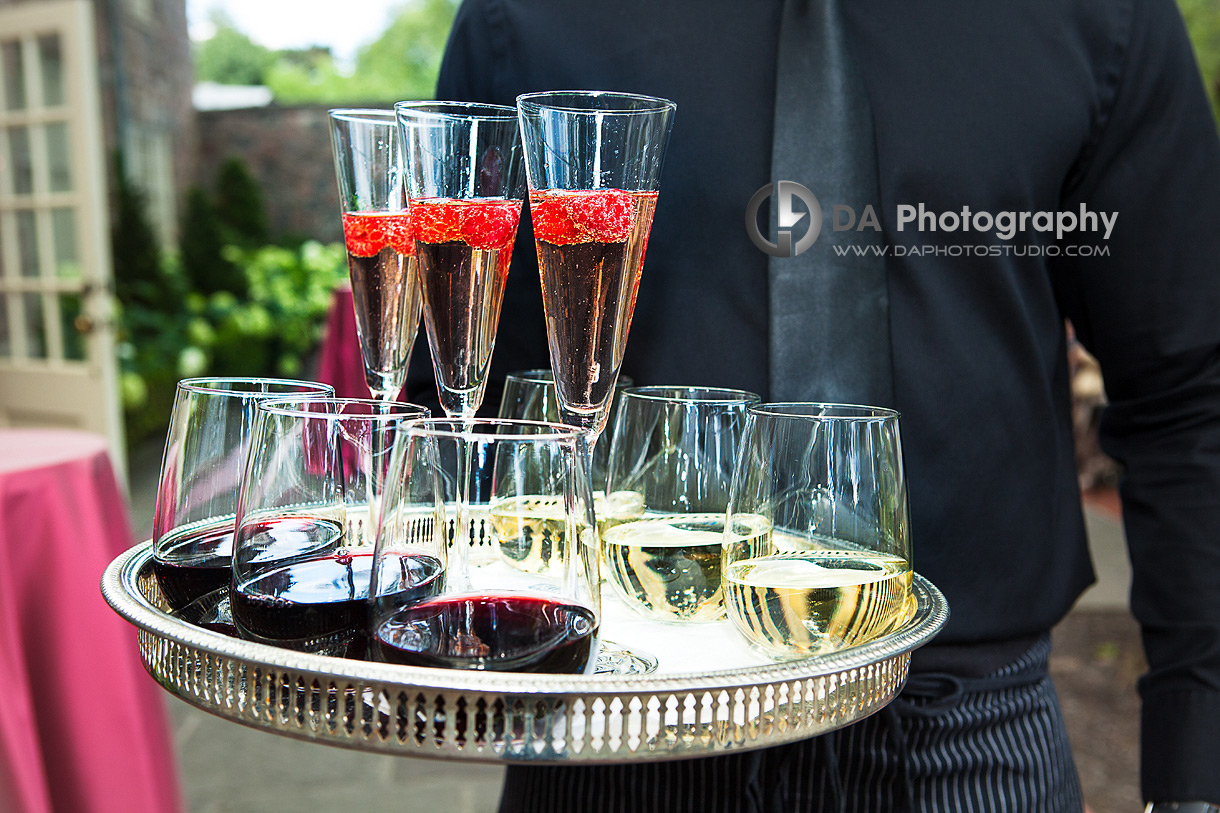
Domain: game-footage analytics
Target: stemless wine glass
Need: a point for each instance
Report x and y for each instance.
(205, 453)
(817, 553)
(380, 249)
(530, 395)
(495, 617)
(306, 524)
(465, 185)
(675, 449)
(593, 160)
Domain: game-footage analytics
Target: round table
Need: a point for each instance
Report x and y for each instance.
(82, 726)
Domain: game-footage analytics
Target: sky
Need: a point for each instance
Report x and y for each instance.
(344, 25)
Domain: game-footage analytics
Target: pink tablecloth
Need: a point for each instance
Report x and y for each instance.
(82, 726)
(339, 362)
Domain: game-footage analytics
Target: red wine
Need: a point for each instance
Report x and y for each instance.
(320, 604)
(191, 563)
(223, 627)
(491, 632)
(463, 249)
(591, 249)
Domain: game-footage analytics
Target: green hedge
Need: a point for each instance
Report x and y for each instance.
(270, 330)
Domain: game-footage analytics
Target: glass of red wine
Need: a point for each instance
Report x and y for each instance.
(307, 521)
(593, 160)
(380, 250)
(499, 616)
(205, 453)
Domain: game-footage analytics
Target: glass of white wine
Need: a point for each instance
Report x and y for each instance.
(672, 453)
(831, 567)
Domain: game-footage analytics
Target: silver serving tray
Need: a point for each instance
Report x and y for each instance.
(503, 717)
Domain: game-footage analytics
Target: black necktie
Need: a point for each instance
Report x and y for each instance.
(829, 318)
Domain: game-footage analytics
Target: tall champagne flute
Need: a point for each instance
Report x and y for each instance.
(593, 160)
(466, 188)
(380, 250)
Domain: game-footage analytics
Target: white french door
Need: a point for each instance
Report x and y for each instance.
(57, 364)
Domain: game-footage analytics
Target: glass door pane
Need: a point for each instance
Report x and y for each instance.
(51, 63)
(14, 75)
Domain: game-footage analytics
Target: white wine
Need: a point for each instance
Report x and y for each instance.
(810, 602)
(668, 567)
(530, 531)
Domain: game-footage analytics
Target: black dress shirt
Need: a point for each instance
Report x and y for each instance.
(1026, 106)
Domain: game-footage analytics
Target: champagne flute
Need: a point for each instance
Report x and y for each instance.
(465, 186)
(593, 160)
(816, 544)
(205, 453)
(380, 250)
(495, 618)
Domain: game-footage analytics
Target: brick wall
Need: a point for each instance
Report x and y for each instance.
(288, 151)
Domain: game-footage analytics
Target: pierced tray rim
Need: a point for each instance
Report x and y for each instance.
(120, 589)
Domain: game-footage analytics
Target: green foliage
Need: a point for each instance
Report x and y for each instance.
(239, 204)
(217, 308)
(229, 57)
(281, 322)
(404, 61)
(201, 248)
(137, 258)
(1203, 22)
(401, 64)
(271, 331)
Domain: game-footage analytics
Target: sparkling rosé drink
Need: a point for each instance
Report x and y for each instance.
(465, 189)
(591, 248)
(593, 160)
(463, 249)
(385, 293)
(377, 232)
